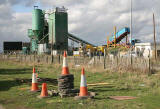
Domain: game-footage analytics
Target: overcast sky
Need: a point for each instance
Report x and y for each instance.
(92, 20)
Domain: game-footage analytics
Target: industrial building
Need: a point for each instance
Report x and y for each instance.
(49, 31)
(147, 49)
(49, 35)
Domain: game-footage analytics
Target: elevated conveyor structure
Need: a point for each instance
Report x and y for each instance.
(78, 40)
(119, 35)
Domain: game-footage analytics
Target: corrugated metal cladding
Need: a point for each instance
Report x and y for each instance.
(58, 25)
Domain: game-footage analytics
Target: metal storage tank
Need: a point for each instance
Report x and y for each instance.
(38, 23)
(58, 25)
(34, 45)
(30, 33)
(37, 19)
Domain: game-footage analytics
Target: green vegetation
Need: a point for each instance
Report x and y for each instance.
(16, 95)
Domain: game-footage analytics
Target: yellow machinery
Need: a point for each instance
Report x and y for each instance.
(101, 48)
(91, 48)
(94, 49)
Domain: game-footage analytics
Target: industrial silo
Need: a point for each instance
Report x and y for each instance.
(58, 29)
(38, 23)
(34, 45)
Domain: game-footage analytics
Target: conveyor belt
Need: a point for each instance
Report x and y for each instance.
(78, 40)
(119, 35)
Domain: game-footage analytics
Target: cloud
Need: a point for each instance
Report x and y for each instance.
(15, 2)
(92, 20)
(13, 25)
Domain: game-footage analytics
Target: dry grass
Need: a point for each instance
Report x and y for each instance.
(124, 80)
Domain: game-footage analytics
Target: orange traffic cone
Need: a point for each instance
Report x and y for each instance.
(83, 85)
(34, 87)
(65, 70)
(44, 92)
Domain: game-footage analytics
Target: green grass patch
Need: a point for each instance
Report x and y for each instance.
(16, 95)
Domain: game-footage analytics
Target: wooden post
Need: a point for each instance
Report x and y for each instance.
(104, 58)
(25, 57)
(94, 61)
(29, 57)
(47, 58)
(107, 42)
(131, 56)
(117, 60)
(34, 58)
(21, 57)
(154, 30)
(126, 40)
(59, 59)
(52, 44)
(149, 63)
(16, 55)
(115, 37)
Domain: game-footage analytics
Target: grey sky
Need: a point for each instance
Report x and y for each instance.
(92, 20)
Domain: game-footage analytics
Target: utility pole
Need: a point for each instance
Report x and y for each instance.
(131, 22)
(154, 30)
(131, 33)
(126, 40)
(115, 37)
(52, 44)
(108, 42)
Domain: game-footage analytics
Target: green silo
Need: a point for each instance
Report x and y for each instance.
(58, 28)
(34, 45)
(38, 23)
(30, 33)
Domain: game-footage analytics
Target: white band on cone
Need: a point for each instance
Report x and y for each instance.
(34, 78)
(65, 64)
(83, 81)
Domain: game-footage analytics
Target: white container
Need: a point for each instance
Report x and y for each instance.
(42, 48)
(76, 53)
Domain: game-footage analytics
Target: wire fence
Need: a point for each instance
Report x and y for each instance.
(112, 63)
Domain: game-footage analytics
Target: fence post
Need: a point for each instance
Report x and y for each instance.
(94, 61)
(16, 55)
(47, 59)
(21, 58)
(30, 58)
(104, 58)
(74, 60)
(34, 58)
(149, 63)
(25, 58)
(117, 60)
(59, 59)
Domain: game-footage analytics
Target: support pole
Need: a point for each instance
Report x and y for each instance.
(154, 32)
(108, 42)
(52, 44)
(115, 37)
(149, 63)
(131, 35)
(104, 58)
(126, 40)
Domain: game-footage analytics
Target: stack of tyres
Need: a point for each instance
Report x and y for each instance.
(66, 85)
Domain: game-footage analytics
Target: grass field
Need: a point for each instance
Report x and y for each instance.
(16, 95)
